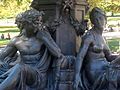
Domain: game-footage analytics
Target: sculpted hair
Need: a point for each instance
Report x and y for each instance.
(95, 13)
(29, 15)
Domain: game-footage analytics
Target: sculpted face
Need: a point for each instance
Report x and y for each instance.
(100, 21)
(29, 21)
(38, 21)
(98, 18)
(18, 21)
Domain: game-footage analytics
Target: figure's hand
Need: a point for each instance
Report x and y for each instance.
(78, 81)
(62, 56)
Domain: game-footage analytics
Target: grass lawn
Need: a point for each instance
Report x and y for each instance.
(8, 30)
(4, 42)
(13, 31)
(114, 44)
(113, 18)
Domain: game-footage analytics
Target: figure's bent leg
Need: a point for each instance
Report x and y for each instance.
(35, 78)
(10, 82)
(31, 75)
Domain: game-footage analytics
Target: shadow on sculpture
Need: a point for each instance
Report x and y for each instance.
(65, 30)
(35, 47)
(96, 67)
(39, 63)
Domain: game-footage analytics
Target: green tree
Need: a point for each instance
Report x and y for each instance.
(10, 8)
(107, 5)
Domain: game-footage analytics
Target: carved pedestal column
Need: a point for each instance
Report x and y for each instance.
(66, 37)
(65, 34)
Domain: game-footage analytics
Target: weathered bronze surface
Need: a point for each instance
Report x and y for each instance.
(35, 47)
(49, 53)
(96, 68)
(61, 11)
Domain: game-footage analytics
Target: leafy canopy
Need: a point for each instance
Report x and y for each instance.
(107, 5)
(10, 8)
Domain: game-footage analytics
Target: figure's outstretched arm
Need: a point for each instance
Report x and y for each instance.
(9, 51)
(79, 60)
(49, 42)
(82, 52)
(53, 48)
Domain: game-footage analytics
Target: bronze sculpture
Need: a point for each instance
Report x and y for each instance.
(31, 26)
(34, 48)
(62, 16)
(33, 60)
(94, 57)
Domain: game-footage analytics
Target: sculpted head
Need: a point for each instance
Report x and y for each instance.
(98, 17)
(29, 20)
(31, 16)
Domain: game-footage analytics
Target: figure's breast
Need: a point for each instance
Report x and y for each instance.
(97, 44)
(96, 48)
(95, 51)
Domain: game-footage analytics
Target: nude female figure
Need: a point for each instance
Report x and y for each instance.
(94, 55)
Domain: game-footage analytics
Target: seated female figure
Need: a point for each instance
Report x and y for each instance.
(94, 55)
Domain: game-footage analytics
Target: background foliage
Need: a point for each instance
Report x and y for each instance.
(107, 5)
(10, 8)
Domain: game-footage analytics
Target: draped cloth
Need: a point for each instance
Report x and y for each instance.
(109, 80)
(40, 69)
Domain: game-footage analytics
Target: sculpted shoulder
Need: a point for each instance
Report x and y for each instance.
(87, 36)
(13, 41)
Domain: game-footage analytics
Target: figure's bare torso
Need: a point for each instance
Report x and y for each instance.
(29, 49)
(96, 62)
(29, 46)
(96, 47)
